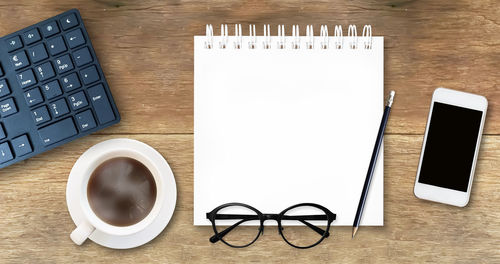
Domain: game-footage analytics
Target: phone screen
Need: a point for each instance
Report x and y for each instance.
(451, 143)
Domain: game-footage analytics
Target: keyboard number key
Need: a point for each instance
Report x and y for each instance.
(51, 89)
(58, 131)
(40, 115)
(37, 53)
(82, 56)
(89, 75)
(64, 64)
(5, 153)
(44, 71)
(4, 88)
(33, 97)
(75, 38)
(13, 43)
(71, 82)
(78, 101)
(85, 120)
(26, 78)
(56, 45)
(31, 36)
(50, 29)
(101, 104)
(7, 107)
(59, 108)
(21, 145)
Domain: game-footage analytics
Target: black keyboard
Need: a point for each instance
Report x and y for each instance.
(52, 88)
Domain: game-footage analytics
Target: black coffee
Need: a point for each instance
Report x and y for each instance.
(121, 191)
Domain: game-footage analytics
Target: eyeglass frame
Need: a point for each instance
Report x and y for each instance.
(264, 217)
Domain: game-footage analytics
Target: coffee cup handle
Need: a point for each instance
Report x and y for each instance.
(82, 232)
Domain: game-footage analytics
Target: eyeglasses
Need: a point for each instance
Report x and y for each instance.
(239, 225)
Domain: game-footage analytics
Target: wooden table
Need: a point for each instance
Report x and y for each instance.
(146, 50)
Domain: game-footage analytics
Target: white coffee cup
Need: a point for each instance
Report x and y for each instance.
(91, 221)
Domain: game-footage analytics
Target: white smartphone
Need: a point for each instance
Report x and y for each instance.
(450, 148)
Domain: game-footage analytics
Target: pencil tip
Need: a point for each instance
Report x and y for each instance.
(354, 230)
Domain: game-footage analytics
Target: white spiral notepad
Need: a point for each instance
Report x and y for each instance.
(287, 119)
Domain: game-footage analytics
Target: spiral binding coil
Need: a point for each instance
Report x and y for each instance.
(353, 36)
(309, 37)
(210, 37)
(253, 37)
(281, 36)
(296, 37)
(224, 34)
(324, 40)
(338, 38)
(324, 36)
(267, 37)
(367, 36)
(239, 36)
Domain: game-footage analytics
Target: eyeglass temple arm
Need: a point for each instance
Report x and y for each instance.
(315, 228)
(220, 235)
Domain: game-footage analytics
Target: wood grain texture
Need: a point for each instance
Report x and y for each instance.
(146, 50)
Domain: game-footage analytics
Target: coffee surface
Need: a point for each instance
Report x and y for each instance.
(121, 191)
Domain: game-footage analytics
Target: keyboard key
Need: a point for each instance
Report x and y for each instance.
(40, 115)
(75, 38)
(44, 71)
(89, 75)
(33, 97)
(5, 153)
(56, 45)
(82, 56)
(68, 21)
(50, 29)
(64, 64)
(4, 88)
(19, 60)
(85, 120)
(31, 36)
(7, 107)
(21, 145)
(101, 104)
(51, 89)
(57, 132)
(38, 53)
(59, 108)
(2, 132)
(71, 82)
(14, 43)
(26, 78)
(78, 101)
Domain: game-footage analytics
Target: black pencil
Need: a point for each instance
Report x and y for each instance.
(373, 162)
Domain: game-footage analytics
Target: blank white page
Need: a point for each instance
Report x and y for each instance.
(276, 127)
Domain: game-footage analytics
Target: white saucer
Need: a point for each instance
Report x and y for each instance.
(158, 224)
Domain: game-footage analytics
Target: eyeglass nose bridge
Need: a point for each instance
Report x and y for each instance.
(266, 217)
(270, 217)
